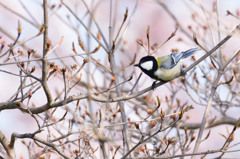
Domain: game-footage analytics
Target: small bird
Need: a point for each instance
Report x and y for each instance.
(164, 68)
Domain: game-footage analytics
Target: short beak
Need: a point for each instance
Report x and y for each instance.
(136, 65)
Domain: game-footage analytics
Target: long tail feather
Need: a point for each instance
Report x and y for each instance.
(189, 52)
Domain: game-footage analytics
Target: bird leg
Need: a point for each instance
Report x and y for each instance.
(182, 73)
(154, 85)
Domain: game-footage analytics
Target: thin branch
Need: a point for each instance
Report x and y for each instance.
(44, 59)
(40, 59)
(183, 155)
(99, 29)
(230, 137)
(231, 58)
(214, 88)
(127, 26)
(32, 136)
(237, 29)
(174, 18)
(130, 78)
(86, 28)
(221, 121)
(170, 37)
(5, 143)
(29, 13)
(121, 104)
(142, 141)
(18, 14)
(12, 46)
(135, 84)
(28, 135)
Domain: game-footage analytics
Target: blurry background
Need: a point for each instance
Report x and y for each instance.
(209, 21)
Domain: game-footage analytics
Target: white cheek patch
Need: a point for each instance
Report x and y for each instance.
(147, 65)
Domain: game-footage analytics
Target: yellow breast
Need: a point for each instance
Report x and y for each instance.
(168, 74)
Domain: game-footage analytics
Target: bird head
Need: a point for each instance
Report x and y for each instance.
(148, 65)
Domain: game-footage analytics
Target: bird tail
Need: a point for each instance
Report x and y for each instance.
(189, 52)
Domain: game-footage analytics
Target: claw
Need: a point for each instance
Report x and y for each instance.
(154, 85)
(182, 73)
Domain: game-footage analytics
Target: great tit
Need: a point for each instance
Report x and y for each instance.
(164, 68)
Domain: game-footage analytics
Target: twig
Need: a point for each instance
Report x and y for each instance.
(99, 29)
(174, 18)
(135, 84)
(213, 49)
(29, 13)
(142, 141)
(127, 26)
(17, 14)
(230, 137)
(214, 88)
(55, 47)
(130, 78)
(170, 37)
(5, 143)
(40, 59)
(183, 155)
(87, 29)
(14, 43)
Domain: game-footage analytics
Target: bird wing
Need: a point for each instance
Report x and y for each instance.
(169, 61)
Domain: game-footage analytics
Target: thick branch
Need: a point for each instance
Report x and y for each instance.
(32, 136)
(217, 122)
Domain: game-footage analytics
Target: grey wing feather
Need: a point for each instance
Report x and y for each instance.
(176, 57)
(170, 61)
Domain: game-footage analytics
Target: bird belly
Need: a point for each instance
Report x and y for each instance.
(167, 74)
